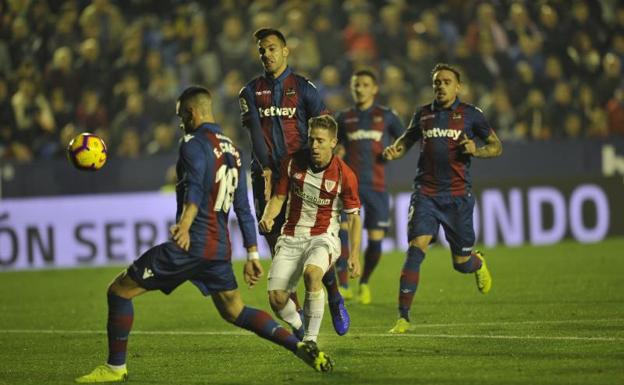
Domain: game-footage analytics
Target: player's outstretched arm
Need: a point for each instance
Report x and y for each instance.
(272, 209)
(252, 271)
(354, 228)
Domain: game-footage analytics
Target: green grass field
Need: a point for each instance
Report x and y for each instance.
(555, 316)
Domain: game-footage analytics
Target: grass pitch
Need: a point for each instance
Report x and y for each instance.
(555, 315)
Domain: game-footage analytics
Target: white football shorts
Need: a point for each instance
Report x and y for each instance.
(294, 253)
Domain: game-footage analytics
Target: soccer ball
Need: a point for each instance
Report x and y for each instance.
(87, 152)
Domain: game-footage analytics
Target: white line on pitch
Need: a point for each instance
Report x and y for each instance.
(367, 335)
(503, 323)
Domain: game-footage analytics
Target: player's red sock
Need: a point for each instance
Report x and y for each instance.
(120, 317)
(371, 259)
(410, 275)
(265, 326)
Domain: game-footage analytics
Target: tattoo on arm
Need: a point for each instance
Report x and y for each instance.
(493, 148)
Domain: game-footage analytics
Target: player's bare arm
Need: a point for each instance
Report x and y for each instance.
(267, 173)
(272, 209)
(354, 228)
(252, 271)
(180, 231)
(492, 148)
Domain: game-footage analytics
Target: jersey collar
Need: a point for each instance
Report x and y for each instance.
(280, 78)
(435, 106)
(212, 127)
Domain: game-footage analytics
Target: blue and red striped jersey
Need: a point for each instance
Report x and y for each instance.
(443, 168)
(209, 175)
(365, 134)
(276, 113)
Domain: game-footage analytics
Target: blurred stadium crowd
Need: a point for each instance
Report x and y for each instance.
(541, 70)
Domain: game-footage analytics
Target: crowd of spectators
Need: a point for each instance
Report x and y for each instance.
(540, 70)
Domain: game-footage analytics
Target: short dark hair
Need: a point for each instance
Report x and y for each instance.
(446, 67)
(324, 121)
(195, 95)
(265, 32)
(366, 72)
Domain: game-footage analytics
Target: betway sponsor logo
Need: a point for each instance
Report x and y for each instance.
(442, 133)
(277, 111)
(363, 135)
(307, 197)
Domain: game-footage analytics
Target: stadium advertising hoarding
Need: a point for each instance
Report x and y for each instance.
(99, 230)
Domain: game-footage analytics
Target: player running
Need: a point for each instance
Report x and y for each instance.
(443, 186)
(363, 131)
(318, 186)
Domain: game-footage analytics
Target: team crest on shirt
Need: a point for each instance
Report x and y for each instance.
(456, 115)
(329, 184)
(377, 119)
(290, 92)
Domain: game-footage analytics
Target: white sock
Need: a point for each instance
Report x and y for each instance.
(116, 367)
(290, 315)
(313, 309)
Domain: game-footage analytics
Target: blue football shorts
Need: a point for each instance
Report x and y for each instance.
(376, 206)
(166, 266)
(453, 213)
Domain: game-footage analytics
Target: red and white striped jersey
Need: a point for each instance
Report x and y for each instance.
(315, 199)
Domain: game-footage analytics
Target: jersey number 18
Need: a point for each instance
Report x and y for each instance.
(227, 179)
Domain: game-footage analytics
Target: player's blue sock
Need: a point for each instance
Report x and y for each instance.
(371, 258)
(120, 317)
(341, 263)
(410, 276)
(330, 282)
(265, 326)
(470, 266)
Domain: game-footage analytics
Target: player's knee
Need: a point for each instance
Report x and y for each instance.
(312, 278)
(278, 299)
(120, 287)
(376, 234)
(229, 304)
(420, 244)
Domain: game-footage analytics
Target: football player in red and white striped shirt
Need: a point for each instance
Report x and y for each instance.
(318, 186)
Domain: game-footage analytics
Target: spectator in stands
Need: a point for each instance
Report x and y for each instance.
(233, 43)
(133, 117)
(91, 112)
(615, 111)
(61, 74)
(92, 68)
(33, 116)
(558, 106)
(163, 141)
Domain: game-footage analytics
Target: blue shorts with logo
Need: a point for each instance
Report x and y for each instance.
(376, 206)
(453, 213)
(166, 266)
